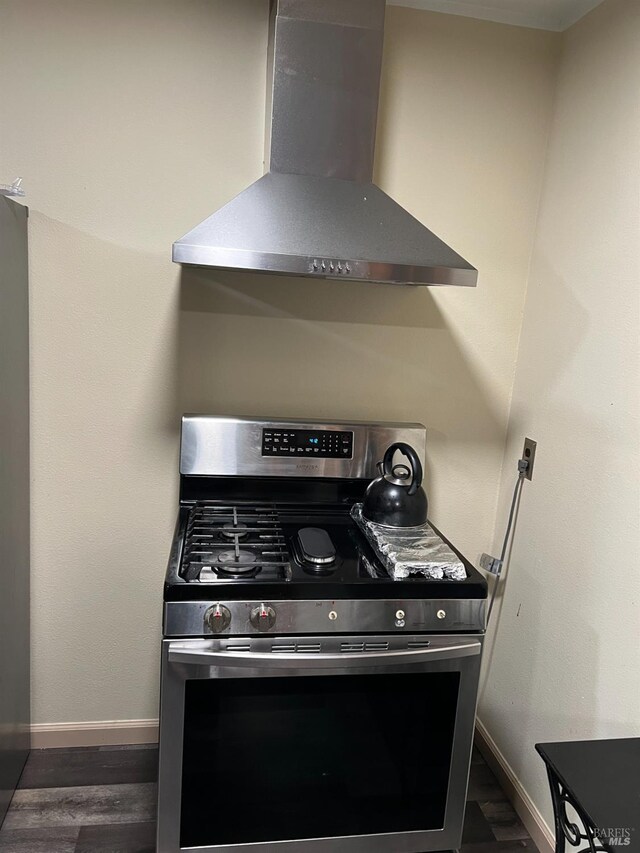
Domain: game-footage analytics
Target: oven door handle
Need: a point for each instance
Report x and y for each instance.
(204, 655)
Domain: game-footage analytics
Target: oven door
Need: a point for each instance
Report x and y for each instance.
(316, 744)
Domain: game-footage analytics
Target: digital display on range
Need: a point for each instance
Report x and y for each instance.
(326, 444)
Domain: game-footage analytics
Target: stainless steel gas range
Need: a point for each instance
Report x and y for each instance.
(309, 702)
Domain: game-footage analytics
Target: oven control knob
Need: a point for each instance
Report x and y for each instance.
(263, 617)
(217, 618)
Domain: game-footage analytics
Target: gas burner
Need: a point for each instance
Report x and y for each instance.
(315, 550)
(319, 571)
(236, 573)
(237, 561)
(234, 531)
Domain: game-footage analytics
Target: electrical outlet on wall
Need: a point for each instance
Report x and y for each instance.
(529, 453)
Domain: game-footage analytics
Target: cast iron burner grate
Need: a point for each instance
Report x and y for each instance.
(233, 542)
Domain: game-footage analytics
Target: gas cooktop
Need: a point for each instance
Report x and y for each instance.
(289, 551)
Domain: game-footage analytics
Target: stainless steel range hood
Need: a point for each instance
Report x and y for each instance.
(316, 212)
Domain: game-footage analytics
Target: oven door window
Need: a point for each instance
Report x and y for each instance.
(274, 759)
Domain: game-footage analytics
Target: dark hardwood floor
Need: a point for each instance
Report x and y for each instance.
(102, 800)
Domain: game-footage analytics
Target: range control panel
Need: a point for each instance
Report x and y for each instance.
(326, 444)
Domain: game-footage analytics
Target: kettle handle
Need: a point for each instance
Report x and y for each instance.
(412, 456)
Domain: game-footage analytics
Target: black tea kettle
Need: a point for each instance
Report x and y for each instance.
(396, 498)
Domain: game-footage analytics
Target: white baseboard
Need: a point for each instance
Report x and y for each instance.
(527, 811)
(98, 733)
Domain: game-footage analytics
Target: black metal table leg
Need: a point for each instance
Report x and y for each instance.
(565, 829)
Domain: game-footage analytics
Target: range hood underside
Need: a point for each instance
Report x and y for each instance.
(344, 227)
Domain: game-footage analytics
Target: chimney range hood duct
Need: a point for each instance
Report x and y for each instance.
(316, 212)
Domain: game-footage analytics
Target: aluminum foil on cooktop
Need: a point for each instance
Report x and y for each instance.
(411, 551)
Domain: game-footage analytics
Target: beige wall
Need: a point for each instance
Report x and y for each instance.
(566, 664)
(130, 123)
